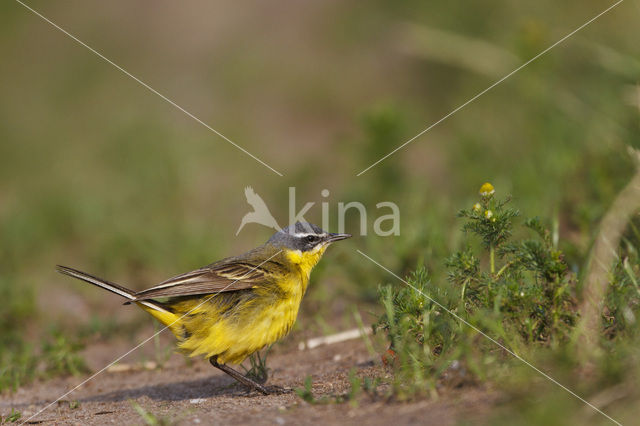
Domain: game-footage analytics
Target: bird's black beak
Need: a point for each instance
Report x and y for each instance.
(336, 237)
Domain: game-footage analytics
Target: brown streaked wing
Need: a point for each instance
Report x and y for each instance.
(224, 277)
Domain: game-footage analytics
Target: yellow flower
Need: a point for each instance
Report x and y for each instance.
(488, 214)
(477, 207)
(487, 190)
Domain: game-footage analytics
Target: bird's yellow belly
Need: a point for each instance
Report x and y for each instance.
(235, 334)
(270, 326)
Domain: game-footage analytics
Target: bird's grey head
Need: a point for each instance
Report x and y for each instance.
(303, 236)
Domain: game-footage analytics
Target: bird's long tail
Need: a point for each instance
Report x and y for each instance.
(153, 308)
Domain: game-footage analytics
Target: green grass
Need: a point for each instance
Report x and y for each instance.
(258, 369)
(149, 418)
(13, 417)
(54, 353)
(22, 362)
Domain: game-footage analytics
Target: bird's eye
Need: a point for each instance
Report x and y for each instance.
(310, 238)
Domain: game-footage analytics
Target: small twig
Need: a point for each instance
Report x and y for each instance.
(354, 333)
(119, 368)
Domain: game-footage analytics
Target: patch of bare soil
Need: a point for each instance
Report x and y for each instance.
(199, 394)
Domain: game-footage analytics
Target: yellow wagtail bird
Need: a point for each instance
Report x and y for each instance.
(234, 307)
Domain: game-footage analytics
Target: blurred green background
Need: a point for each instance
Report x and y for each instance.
(99, 173)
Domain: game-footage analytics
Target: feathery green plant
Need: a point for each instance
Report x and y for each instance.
(518, 290)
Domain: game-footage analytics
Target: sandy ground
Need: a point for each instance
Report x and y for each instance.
(199, 394)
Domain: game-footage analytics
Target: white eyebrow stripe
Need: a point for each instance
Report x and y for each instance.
(303, 234)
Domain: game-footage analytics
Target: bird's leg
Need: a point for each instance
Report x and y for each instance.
(238, 376)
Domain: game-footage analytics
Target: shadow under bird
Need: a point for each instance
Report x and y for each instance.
(234, 307)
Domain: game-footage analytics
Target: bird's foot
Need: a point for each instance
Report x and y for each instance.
(279, 390)
(270, 390)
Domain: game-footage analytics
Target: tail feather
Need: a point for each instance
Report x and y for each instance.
(107, 285)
